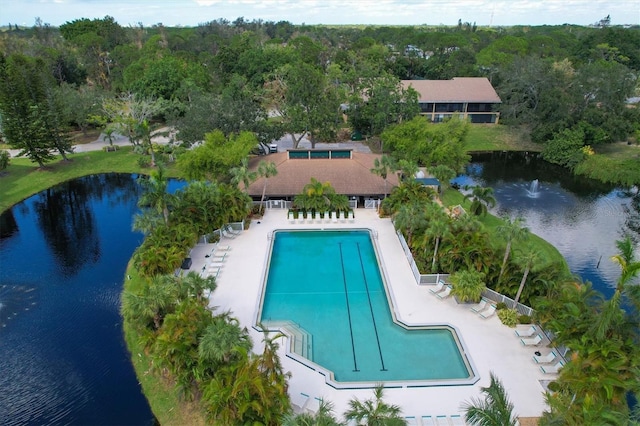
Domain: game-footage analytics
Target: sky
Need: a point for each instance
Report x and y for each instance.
(331, 12)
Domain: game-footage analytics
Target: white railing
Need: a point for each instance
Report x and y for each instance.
(429, 279)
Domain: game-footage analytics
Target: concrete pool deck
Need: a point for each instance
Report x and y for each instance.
(491, 346)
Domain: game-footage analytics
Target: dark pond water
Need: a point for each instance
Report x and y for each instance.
(582, 218)
(63, 255)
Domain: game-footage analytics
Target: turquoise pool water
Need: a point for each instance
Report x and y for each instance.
(329, 284)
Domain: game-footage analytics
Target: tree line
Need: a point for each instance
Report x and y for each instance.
(567, 84)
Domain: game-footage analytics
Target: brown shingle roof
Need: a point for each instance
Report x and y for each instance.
(460, 89)
(347, 176)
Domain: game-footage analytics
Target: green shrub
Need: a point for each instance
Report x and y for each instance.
(509, 317)
(144, 161)
(500, 306)
(524, 319)
(5, 159)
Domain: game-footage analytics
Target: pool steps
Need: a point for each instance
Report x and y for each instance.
(301, 341)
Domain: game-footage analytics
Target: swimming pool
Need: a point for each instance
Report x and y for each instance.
(325, 290)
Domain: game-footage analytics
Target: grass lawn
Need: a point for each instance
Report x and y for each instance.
(161, 393)
(489, 137)
(616, 163)
(23, 178)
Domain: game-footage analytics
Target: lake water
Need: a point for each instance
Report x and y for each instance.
(581, 217)
(63, 254)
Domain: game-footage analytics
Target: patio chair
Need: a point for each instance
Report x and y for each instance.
(534, 341)
(489, 312)
(291, 218)
(444, 293)
(438, 288)
(352, 217)
(327, 217)
(218, 247)
(552, 369)
(528, 332)
(442, 421)
(335, 216)
(411, 421)
(227, 234)
(316, 217)
(545, 359)
(456, 420)
(480, 306)
(343, 217)
(232, 231)
(428, 421)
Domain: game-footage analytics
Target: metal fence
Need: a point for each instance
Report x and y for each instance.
(429, 279)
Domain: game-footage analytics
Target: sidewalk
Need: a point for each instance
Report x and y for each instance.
(283, 143)
(118, 139)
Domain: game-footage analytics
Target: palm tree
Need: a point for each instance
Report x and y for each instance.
(223, 340)
(323, 417)
(438, 228)
(494, 410)
(629, 268)
(108, 134)
(382, 167)
(409, 219)
(266, 171)
(513, 230)
(242, 174)
(315, 195)
(374, 412)
(154, 194)
(481, 199)
(528, 260)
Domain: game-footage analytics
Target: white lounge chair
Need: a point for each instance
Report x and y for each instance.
(291, 218)
(456, 420)
(227, 234)
(428, 421)
(444, 293)
(489, 312)
(352, 217)
(316, 217)
(534, 341)
(442, 421)
(545, 359)
(480, 306)
(232, 231)
(301, 217)
(438, 288)
(552, 369)
(527, 332)
(327, 217)
(411, 421)
(213, 272)
(343, 217)
(335, 216)
(222, 248)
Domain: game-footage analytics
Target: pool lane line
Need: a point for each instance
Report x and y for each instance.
(346, 296)
(373, 318)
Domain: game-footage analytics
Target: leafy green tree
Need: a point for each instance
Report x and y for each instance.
(305, 102)
(379, 102)
(24, 108)
(565, 148)
(427, 143)
(444, 174)
(468, 285)
(128, 114)
(216, 155)
(437, 229)
(494, 410)
(5, 160)
(374, 412)
(315, 195)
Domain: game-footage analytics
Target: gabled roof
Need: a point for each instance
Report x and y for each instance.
(349, 176)
(460, 89)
